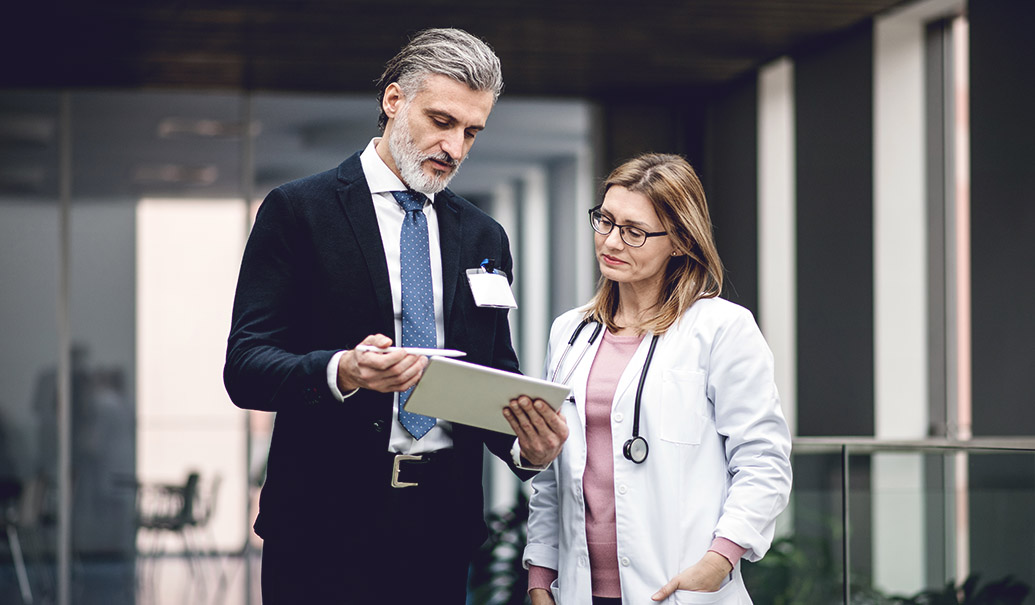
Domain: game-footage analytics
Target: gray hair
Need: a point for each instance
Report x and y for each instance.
(448, 52)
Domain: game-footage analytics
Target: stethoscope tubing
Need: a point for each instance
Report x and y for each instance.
(571, 343)
(636, 454)
(639, 387)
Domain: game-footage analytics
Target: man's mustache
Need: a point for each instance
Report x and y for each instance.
(445, 158)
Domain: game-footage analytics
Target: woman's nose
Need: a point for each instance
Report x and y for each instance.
(614, 238)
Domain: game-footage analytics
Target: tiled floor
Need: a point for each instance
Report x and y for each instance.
(170, 580)
(211, 580)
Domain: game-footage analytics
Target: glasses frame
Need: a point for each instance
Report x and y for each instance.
(621, 228)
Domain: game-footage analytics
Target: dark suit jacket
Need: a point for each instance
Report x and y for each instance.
(313, 281)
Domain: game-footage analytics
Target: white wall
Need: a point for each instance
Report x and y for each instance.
(188, 255)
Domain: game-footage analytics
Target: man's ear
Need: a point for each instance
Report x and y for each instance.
(392, 100)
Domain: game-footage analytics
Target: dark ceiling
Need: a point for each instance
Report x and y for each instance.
(548, 47)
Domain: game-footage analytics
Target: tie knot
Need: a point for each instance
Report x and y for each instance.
(410, 200)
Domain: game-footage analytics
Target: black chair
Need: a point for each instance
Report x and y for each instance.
(181, 509)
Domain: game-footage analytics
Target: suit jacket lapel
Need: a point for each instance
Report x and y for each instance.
(357, 203)
(450, 235)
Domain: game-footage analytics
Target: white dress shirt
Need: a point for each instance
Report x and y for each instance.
(390, 215)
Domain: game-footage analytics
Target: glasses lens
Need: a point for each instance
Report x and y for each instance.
(633, 236)
(601, 224)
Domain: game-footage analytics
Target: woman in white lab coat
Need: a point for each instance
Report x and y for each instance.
(659, 505)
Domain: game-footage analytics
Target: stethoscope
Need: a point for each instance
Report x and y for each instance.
(635, 449)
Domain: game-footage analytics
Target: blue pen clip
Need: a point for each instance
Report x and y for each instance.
(489, 265)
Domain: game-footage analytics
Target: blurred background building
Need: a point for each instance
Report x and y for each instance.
(867, 167)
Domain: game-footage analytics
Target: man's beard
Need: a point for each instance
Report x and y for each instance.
(409, 159)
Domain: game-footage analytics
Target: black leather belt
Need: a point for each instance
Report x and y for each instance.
(410, 470)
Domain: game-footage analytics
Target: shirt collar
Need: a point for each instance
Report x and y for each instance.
(380, 177)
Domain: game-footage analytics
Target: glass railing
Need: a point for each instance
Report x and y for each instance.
(926, 522)
(904, 522)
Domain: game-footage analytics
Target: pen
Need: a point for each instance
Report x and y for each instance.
(412, 351)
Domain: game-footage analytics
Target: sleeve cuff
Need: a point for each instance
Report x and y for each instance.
(332, 378)
(540, 577)
(728, 549)
(521, 463)
(541, 555)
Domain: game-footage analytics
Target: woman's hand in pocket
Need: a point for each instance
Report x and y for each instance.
(704, 576)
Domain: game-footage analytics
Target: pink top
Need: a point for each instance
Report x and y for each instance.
(598, 480)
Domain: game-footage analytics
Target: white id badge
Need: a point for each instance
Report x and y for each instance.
(491, 289)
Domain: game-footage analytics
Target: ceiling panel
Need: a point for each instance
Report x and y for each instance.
(577, 48)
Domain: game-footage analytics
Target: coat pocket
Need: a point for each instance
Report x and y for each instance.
(729, 594)
(682, 407)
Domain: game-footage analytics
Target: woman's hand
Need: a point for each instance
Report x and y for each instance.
(704, 576)
(541, 597)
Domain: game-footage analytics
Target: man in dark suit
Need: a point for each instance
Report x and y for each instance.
(330, 264)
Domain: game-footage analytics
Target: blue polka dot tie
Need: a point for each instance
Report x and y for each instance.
(418, 300)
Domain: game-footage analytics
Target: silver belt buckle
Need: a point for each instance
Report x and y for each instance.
(399, 459)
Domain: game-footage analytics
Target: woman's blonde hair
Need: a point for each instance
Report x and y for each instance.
(672, 187)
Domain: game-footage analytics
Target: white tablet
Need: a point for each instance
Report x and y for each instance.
(475, 395)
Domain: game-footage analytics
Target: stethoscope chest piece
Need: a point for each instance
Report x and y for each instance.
(636, 449)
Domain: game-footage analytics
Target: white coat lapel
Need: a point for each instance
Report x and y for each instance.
(580, 374)
(580, 378)
(631, 375)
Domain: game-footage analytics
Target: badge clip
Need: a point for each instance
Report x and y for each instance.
(490, 286)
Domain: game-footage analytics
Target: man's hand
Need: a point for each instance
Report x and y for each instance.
(382, 372)
(704, 576)
(540, 430)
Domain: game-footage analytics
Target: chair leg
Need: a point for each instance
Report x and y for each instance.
(194, 564)
(148, 551)
(19, 564)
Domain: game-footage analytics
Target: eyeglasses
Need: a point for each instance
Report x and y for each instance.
(632, 236)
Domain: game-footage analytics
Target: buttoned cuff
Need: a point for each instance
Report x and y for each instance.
(521, 463)
(332, 378)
